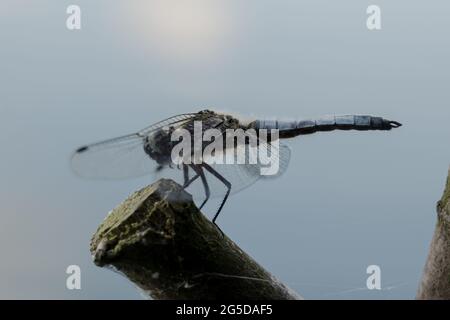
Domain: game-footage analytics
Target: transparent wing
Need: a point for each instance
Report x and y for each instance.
(280, 155)
(118, 158)
(175, 120)
(240, 175)
(121, 157)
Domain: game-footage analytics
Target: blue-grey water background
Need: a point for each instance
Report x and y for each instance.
(348, 200)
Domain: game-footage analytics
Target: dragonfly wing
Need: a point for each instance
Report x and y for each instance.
(280, 156)
(243, 175)
(172, 121)
(117, 158)
(240, 175)
(121, 157)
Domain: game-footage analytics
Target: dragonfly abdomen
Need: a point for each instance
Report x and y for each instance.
(292, 128)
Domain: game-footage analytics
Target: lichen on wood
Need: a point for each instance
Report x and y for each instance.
(160, 241)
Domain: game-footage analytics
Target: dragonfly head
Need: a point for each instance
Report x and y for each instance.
(158, 146)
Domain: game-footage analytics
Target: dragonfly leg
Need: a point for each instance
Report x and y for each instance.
(187, 181)
(225, 182)
(185, 174)
(199, 171)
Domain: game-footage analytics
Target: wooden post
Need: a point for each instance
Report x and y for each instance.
(161, 242)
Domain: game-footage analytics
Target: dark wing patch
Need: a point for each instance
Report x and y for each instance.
(82, 149)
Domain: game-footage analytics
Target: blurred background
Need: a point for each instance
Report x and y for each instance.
(348, 200)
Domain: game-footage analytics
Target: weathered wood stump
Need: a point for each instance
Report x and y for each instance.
(161, 242)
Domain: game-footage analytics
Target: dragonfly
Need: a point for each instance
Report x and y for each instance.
(149, 151)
